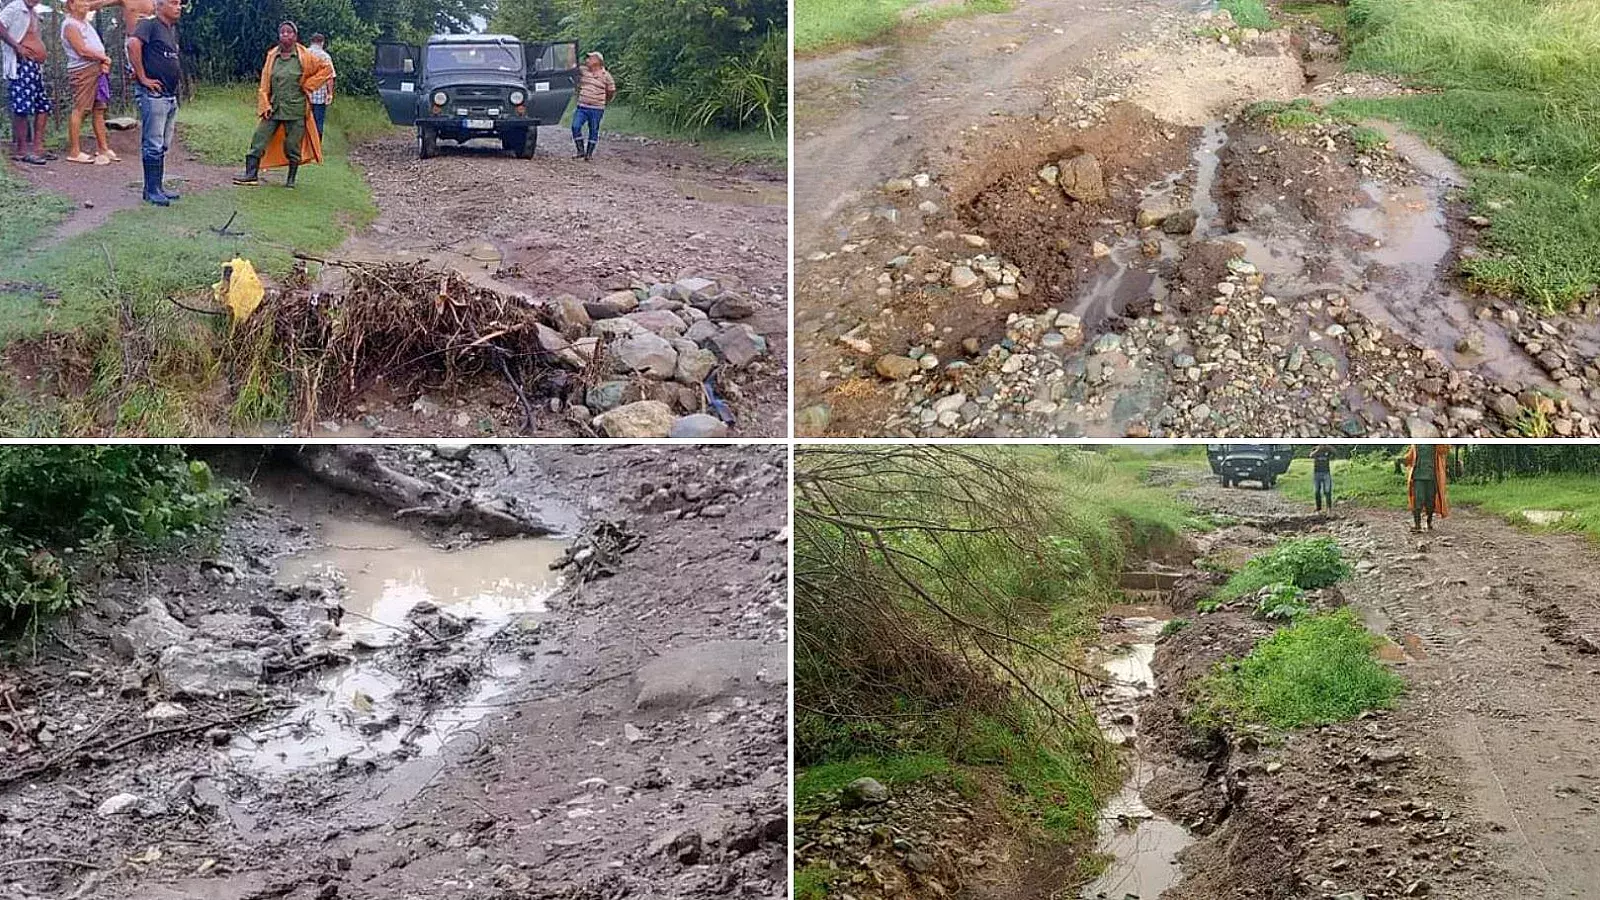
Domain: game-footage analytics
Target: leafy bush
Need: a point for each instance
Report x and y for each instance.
(1315, 672)
(57, 502)
(1173, 627)
(1248, 13)
(1307, 563)
(1282, 601)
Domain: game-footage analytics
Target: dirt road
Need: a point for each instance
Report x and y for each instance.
(1067, 224)
(1481, 782)
(513, 737)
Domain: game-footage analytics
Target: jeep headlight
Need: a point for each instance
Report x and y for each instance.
(440, 98)
(517, 98)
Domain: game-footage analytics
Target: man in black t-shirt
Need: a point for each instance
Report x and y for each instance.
(158, 70)
(1322, 474)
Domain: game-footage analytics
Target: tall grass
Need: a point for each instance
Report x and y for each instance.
(1520, 107)
(822, 25)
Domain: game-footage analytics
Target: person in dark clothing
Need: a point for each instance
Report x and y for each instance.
(153, 53)
(1322, 474)
(1427, 463)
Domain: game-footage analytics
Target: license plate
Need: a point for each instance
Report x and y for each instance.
(481, 124)
(541, 87)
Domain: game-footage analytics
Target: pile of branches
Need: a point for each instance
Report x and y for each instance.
(599, 549)
(400, 322)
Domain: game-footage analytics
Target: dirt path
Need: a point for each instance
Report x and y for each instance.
(624, 736)
(99, 191)
(642, 213)
(1481, 782)
(867, 115)
(1086, 234)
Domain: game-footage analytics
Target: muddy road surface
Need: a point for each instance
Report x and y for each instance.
(656, 237)
(335, 702)
(1077, 222)
(1480, 782)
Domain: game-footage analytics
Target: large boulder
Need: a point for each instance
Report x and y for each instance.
(660, 321)
(694, 364)
(645, 419)
(738, 345)
(699, 427)
(150, 632)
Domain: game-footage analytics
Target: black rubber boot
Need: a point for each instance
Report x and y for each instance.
(152, 185)
(294, 169)
(578, 142)
(588, 152)
(252, 172)
(161, 182)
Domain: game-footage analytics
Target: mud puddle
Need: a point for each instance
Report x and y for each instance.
(369, 708)
(1142, 847)
(762, 195)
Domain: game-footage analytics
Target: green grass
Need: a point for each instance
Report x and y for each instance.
(1519, 108)
(1372, 483)
(811, 883)
(1329, 16)
(821, 25)
(1318, 671)
(29, 214)
(1307, 563)
(156, 253)
(814, 784)
(735, 146)
(1248, 13)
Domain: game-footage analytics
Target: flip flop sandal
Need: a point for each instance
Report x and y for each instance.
(33, 161)
(111, 156)
(102, 160)
(81, 158)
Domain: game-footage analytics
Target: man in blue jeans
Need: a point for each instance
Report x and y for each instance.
(596, 87)
(1322, 475)
(153, 52)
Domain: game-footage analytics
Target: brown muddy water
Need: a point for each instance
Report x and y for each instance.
(1142, 847)
(359, 712)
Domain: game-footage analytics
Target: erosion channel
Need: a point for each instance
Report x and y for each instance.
(491, 673)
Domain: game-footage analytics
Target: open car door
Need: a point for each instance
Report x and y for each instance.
(398, 72)
(552, 79)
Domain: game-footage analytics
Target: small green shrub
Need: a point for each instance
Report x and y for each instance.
(1248, 13)
(1368, 139)
(1307, 563)
(1318, 671)
(1283, 602)
(1173, 627)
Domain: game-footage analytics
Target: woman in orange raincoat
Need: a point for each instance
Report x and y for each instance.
(288, 132)
(1426, 483)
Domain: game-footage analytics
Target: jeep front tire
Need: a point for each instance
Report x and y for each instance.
(523, 143)
(427, 141)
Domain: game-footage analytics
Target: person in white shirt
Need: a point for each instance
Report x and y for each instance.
(88, 73)
(22, 56)
(322, 96)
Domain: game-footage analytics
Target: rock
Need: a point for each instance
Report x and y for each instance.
(738, 346)
(621, 301)
(119, 805)
(556, 344)
(1153, 212)
(151, 632)
(1106, 343)
(1099, 250)
(962, 277)
(645, 419)
(694, 364)
(631, 733)
(693, 289)
(951, 403)
(1467, 415)
(606, 396)
(166, 712)
(699, 426)
(733, 306)
(864, 792)
(599, 312)
(896, 368)
(1506, 407)
(814, 420)
(1418, 427)
(1181, 222)
(1386, 756)
(1050, 175)
(203, 669)
(572, 315)
(899, 186)
(1081, 179)
(1472, 343)
(645, 352)
(698, 674)
(659, 321)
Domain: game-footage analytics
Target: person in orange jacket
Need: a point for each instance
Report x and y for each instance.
(288, 133)
(1426, 483)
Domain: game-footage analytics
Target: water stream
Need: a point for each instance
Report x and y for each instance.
(1142, 846)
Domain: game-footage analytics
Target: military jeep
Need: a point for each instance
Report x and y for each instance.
(462, 87)
(1235, 464)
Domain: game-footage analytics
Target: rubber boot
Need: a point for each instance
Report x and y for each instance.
(161, 179)
(578, 142)
(294, 169)
(252, 172)
(588, 152)
(152, 185)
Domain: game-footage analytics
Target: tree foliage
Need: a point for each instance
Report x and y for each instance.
(696, 63)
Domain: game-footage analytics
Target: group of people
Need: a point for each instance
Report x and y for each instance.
(1425, 466)
(297, 86)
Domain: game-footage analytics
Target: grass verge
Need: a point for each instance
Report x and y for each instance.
(1374, 482)
(163, 252)
(1318, 671)
(1306, 563)
(822, 25)
(754, 146)
(29, 213)
(1519, 107)
(1248, 13)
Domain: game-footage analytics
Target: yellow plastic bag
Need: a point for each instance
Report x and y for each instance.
(240, 289)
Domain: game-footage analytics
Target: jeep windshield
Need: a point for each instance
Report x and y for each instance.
(447, 58)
